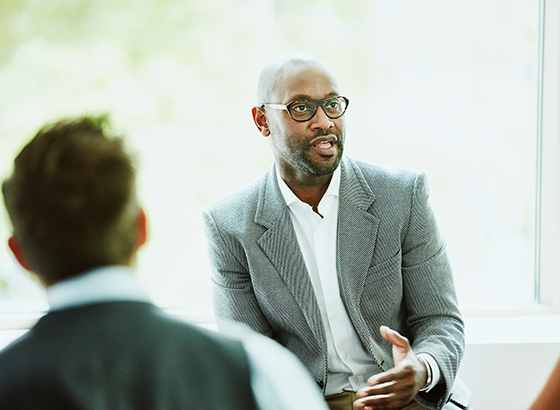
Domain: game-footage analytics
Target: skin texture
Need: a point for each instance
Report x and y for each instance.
(307, 154)
(550, 394)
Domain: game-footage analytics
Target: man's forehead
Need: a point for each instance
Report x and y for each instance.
(305, 81)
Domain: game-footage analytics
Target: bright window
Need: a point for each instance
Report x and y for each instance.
(450, 88)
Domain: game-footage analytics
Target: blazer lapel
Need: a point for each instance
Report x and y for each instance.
(280, 245)
(357, 233)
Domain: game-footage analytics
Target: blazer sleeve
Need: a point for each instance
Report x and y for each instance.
(433, 318)
(233, 295)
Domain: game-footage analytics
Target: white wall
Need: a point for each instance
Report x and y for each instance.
(507, 376)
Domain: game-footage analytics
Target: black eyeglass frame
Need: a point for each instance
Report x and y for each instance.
(317, 103)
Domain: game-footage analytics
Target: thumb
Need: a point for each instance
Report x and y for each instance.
(396, 339)
(401, 346)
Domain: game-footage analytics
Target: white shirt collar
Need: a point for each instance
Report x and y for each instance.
(290, 197)
(105, 284)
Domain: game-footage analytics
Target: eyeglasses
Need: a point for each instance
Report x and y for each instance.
(304, 110)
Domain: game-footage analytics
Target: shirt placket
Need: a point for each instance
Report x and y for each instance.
(325, 251)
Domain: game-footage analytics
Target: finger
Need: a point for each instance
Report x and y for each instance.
(379, 389)
(394, 337)
(394, 374)
(384, 387)
(393, 400)
(389, 401)
(376, 401)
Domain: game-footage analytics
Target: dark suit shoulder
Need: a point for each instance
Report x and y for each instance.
(128, 319)
(132, 326)
(130, 350)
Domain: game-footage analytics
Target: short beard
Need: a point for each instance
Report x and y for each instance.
(317, 169)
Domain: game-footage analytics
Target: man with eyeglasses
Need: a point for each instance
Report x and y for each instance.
(337, 259)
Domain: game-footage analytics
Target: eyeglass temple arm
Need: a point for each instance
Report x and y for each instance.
(276, 106)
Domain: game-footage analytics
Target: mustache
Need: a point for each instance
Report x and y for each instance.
(327, 133)
(323, 133)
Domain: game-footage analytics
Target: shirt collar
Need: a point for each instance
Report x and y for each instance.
(105, 284)
(290, 197)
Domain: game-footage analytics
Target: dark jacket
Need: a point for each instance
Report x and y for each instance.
(123, 355)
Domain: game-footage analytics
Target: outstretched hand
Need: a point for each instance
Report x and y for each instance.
(395, 388)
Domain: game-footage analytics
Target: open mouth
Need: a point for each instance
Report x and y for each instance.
(325, 145)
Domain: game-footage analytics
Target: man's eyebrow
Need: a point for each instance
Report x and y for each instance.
(307, 97)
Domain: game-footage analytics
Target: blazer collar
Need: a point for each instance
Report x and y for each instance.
(280, 246)
(353, 188)
(357, 233)
(270, 203)
(357, 236)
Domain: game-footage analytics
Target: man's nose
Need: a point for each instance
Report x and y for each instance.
(320, 119)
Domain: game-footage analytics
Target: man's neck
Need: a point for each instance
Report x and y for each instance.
(311, 191)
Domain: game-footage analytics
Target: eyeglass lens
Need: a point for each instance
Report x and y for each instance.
(305, 109)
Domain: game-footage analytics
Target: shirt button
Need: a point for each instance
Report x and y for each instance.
(334, 316)
(326, 273)
(356, 379)
(345, 356)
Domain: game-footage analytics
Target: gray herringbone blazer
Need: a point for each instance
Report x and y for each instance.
(394, 271)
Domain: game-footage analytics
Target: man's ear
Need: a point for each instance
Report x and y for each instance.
(15, 247)
(259, 117)
(142, 228)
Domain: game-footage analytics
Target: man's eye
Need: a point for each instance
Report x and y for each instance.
(300, 107)
(333, 104)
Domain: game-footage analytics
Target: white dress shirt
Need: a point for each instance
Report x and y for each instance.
(278, 379)
(349, 364)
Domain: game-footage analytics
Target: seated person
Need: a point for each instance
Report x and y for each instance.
(338, 259)
(77, 225)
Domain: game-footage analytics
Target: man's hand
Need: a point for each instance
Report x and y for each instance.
(395, 388)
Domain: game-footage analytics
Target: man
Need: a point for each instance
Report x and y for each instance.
(336, 258)
(77, 224)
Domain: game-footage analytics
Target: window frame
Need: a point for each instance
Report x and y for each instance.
(538, 322)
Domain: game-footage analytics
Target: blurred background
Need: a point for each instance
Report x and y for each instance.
(446, 87)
